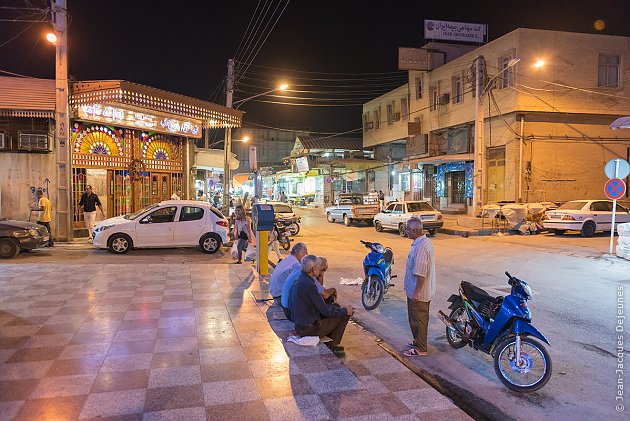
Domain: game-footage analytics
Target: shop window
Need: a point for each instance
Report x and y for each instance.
(191, 213)
(404, 182)
(608, 71)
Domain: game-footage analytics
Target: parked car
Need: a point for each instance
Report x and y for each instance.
(16, 236)
(586, 216)
(352, 207)
(171, 223)
(396, 215)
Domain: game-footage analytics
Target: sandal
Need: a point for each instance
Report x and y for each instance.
(413, 352)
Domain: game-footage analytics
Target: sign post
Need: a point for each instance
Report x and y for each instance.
(616, 169)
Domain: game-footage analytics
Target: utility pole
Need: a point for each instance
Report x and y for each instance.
(62, 124)
(227, 144)
(480, 65)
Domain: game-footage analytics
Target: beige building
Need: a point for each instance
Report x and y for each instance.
(547, 134)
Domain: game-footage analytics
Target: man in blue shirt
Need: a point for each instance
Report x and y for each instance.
(284, 269)
(311, 315)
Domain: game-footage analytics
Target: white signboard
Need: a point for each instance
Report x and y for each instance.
(455, 31)
(302, 164)
(413, 59)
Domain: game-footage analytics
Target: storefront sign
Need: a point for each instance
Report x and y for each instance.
(302, 164)
(455, 31)
(458, 141)
(138, 120)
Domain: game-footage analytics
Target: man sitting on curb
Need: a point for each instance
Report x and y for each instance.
(284, 269)
(311, 315)
(329, 295)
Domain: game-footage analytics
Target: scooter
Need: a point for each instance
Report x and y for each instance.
(283, 232)
(500, 326)
(377, 267)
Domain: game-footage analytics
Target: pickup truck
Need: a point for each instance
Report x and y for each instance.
(352, 207)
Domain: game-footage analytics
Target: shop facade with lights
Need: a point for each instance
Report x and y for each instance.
(134, 144)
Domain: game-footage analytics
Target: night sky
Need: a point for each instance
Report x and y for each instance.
(342, 52)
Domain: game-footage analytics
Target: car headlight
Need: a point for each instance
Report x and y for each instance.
(25, 233)
(102, 228)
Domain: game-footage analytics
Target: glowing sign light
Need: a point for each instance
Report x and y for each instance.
(139, 120)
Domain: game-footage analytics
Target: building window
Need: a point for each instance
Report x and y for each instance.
(457, 89)
(33, 141)
(404, 106)
(367, 124)
(608, 71)
(390, 113)
(506, 73)
(377, 118)
(419, 87)
(433, 95)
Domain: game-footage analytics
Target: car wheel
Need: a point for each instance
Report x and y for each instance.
(433, 231)
(377, 226)
(330, 218)
(402, 230)
(210, 243)
(119, 244)
(558, 232)
(588, 229)
(9, 248)
(347, 221)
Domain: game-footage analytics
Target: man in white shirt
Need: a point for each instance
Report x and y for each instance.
(177, 195)
(420, 286)
(284, 269)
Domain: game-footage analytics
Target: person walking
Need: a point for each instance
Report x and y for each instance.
(420, 286)
(311, 315)
(381, 199)
(273, 244)
(242, 232)
(87, 205)
(45, 208)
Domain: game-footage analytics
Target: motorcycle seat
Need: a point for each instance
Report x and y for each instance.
(475, 293)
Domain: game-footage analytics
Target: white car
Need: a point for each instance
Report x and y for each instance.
(397, 214)
(586, 216)
(171, 223)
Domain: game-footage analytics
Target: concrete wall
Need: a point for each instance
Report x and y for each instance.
(386, 132)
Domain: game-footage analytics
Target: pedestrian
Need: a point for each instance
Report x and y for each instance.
(420, 286)
(273, 244)
(311, 315)
(87, 205)
(284, 269)
(45, 208)
(381, 199)
(177, 195)
(242, 232)
(283, 197)
(216, 200)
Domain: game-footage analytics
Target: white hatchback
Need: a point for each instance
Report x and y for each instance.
(586, 216)
(171, 223)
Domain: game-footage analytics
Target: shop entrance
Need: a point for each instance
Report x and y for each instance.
(496, 174)
(97, 178)
(160, 187)
(456, 182)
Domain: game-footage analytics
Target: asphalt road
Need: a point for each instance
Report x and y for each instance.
(574, 305)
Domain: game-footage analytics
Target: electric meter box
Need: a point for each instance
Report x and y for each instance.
(263, 217)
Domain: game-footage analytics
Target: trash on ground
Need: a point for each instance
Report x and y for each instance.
(357, 281)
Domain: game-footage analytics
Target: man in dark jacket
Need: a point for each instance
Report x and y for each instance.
(311, 315)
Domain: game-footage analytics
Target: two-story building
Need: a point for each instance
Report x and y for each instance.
(546, 130)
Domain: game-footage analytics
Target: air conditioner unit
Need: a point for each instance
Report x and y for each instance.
(28, 141)
(4, 141)
(444, 99)
(396, 117)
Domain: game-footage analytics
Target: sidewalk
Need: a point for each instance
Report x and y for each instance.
(187, 342)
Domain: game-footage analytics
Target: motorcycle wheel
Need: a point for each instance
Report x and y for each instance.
(372, 293)
(453, 338)
(534, 369)
(294, 228)
(285, 243)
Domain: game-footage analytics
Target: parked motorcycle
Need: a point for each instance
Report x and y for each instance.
(377, 267)
(292, 223)
(283, 231)
(500, 326)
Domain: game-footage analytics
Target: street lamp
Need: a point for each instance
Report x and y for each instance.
(227, 145)
(480, 89)
(51, 37)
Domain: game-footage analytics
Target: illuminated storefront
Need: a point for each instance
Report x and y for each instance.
(134, 143)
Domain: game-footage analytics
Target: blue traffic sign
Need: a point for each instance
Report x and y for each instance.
(615, 188)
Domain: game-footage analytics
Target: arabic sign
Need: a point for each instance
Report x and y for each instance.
(455, 31)
(138, 120)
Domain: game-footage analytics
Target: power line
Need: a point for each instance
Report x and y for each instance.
(325, 73)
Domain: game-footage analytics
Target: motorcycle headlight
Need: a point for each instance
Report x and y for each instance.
(380, 249)
(102, 228)
(528, 291)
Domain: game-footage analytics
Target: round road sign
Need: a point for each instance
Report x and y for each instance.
(623, 168)
(329, 180)
(615, 188)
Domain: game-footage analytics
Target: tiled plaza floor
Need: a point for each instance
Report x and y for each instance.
(181, 342)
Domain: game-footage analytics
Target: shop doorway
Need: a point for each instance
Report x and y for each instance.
(456, 182)
(160, 187)
(496, 174)
(97, 178)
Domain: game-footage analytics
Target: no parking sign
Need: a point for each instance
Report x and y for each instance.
(615, 188)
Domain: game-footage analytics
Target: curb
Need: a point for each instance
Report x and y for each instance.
(467, 232)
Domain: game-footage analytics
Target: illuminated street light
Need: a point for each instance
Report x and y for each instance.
(52, 38)
(240, 102)
(539, 64)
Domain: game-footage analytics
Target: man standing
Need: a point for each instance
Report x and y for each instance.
(420, 286)
(381, 199)
(45, 208)
(87, 205)
(311, 315)
(177, 195)
(284, 269)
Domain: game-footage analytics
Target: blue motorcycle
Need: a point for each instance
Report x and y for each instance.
(377, 267)
(500, 326)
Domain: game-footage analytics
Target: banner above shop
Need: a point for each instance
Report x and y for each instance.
(455, 31)
(126, 117)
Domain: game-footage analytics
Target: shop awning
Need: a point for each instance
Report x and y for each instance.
(27, 97)
(212, 159)
(444, 158)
